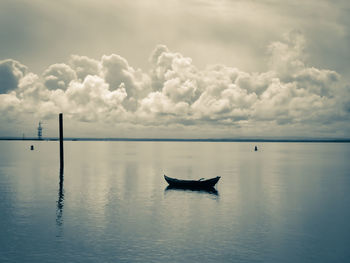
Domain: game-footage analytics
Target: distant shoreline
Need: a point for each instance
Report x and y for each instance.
(317, 140)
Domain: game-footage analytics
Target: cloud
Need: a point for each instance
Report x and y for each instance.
(11, 71)
(320, 82)
(84, 66)
(92, 100)
(118, 74)
(286, 56)
(8, 106)
(174, 75)
(58, 76)
(174, 93)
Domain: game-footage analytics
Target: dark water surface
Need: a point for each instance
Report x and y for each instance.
(288, 202)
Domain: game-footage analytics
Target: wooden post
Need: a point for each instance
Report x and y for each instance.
(61, 142)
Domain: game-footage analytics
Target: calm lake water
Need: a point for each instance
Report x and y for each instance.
(288, 202)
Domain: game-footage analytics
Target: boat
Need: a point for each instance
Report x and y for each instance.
(196, 184)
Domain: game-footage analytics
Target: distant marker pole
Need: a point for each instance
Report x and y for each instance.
(61, 141)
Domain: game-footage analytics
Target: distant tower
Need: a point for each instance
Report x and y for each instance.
(40, 131)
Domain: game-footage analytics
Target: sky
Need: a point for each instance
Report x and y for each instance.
(175, 68)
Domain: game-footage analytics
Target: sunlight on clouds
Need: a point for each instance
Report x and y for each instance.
(290, 95)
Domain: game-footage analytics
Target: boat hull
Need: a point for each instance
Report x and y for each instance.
(199, 184)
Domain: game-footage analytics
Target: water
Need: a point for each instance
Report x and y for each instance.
(288, 202)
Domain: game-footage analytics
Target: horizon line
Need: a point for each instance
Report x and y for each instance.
(340, 140)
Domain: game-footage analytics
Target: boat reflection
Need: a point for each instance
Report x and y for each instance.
(210, 190)
(60, 201)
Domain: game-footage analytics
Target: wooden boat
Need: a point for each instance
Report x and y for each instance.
(197, 184)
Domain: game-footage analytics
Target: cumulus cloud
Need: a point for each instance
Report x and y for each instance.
(118, 74)
(84, 66)
(8, 106)
(11, 71)
(286, 56)
(58, 76)
(175, 92)
(92, 100)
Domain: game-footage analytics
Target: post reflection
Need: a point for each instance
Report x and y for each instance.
(60, 201)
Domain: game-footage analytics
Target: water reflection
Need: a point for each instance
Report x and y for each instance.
(210, 190)
(289, 204)
(60, 201)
